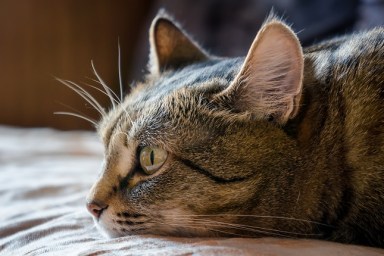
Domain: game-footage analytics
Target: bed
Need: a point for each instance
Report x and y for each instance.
(44, 177)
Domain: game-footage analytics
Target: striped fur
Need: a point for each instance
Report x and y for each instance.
(298, 153)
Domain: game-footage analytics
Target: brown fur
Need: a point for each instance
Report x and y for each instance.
(308, 163)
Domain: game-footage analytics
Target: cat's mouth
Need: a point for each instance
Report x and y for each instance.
(130, 222)
(117, 224)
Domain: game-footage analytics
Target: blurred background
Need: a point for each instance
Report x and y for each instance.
(44, 39)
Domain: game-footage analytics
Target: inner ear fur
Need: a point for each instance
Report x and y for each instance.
(270, 81)
(171, 48)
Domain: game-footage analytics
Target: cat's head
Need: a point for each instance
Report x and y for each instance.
(198, 146)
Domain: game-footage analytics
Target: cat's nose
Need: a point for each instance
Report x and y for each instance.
(96, 208)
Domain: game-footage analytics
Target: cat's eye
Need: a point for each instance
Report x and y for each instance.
(152, 158)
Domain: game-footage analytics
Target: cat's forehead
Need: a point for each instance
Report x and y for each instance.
(148, 104)
(203, 72)
(191, 76)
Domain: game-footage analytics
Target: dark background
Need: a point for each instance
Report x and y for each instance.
(43, 39)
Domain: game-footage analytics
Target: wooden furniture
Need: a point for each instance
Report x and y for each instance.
(43, 39)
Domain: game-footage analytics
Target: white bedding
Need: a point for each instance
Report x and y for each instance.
(44, 177)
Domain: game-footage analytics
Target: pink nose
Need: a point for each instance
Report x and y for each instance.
(96, 208)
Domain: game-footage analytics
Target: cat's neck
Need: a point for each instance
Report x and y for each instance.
(314, 115)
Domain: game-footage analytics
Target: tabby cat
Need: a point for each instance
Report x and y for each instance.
(284, 142)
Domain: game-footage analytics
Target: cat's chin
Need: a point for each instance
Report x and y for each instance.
(109, 228)
(106, 227)
(105, 231)
(111, 231)
(112, 224)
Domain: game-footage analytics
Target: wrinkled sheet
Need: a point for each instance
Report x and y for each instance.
(44, 178)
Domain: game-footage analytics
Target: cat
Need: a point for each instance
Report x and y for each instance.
(286, 142)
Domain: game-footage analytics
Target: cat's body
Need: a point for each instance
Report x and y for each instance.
(279, 144)
(340, 132)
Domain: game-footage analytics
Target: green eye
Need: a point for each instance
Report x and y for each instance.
(152, 158)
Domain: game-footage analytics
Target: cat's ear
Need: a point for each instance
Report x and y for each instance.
(269, 83)
(170, 47)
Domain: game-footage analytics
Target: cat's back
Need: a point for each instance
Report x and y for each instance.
(344, 89)
(371, 40)
(352, 62)
(348, 73)
(346, 77)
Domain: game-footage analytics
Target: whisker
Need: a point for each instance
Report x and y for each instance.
(97, 105)
(251, 228)
(195, 226)
(84, 94)
(106, 88)
(115, 97)
(98, 89)
(208, 223)
(242, 227)
(224, 232)
(119, 67)
(76, 115)
(75, 110)
(255, 216)
(126, 112)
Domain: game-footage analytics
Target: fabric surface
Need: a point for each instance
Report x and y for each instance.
(44, 178)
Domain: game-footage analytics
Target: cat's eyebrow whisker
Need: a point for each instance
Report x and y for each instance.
(115, 100)
(106, 88)
(75, 110)
(119, 68)
(98, 89)
(128, 116)
(79, 114)
(84, 94)
(121, 81)
(76, 115)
